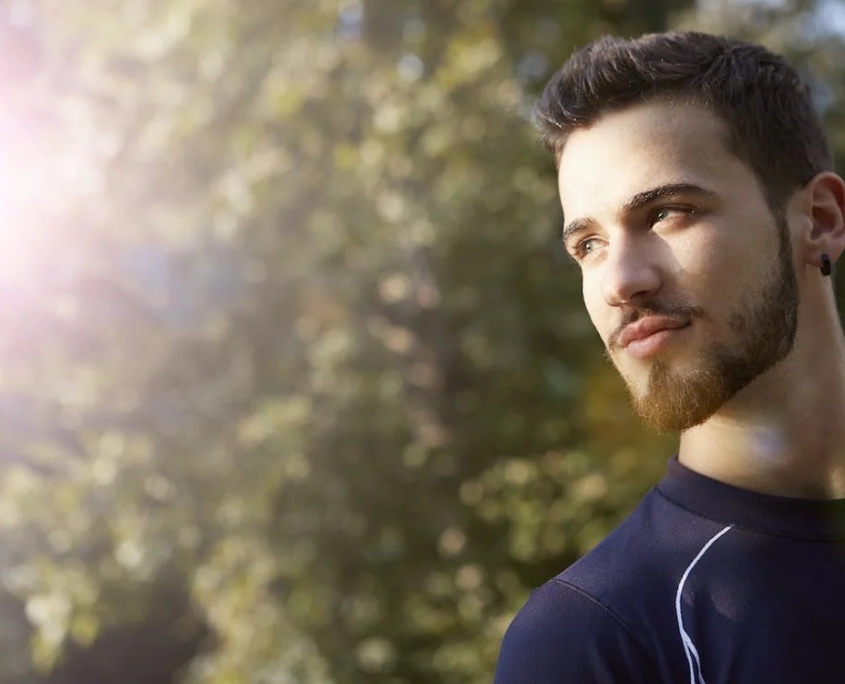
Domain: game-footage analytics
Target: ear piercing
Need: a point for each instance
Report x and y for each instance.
(826, 267)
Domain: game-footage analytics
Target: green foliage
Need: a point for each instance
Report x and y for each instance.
(291, 334)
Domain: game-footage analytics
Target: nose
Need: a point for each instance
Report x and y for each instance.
(630, 272)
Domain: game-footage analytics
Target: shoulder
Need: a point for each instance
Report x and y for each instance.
(638, 562)
(605, 617)
(563, 634)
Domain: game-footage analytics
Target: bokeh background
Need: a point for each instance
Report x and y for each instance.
(296, 386)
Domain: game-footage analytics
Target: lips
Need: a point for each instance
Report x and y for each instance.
(645, 327)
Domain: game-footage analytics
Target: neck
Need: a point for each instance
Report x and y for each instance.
(783, 434)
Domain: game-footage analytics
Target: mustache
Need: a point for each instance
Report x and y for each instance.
(678, 312)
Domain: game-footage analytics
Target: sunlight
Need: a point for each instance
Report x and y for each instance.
(36, 193)
(16, 202)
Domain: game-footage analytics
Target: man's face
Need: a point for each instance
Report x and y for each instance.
(687, 274)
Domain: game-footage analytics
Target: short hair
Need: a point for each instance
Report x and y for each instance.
(772, 123)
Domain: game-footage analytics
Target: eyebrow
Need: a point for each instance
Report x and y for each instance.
(639, 201)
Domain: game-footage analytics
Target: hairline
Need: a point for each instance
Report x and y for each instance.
(676, 98)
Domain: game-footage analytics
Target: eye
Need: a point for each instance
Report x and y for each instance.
(584, 248)
(659, 214)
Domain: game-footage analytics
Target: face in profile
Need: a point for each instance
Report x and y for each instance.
(687, 273)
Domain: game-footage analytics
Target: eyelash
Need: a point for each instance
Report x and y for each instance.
(579, 251)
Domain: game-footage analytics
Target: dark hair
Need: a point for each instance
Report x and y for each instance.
(772, 124)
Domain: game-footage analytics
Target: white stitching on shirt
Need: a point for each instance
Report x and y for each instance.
(689, 647)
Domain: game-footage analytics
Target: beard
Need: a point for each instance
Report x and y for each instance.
(765, 328)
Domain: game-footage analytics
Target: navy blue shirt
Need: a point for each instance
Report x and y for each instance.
(703, 582)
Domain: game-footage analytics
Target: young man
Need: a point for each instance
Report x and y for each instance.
(701, 205)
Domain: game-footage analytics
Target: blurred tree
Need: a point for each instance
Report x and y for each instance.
(291, 354)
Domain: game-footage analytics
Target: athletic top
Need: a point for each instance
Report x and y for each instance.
(703, 582)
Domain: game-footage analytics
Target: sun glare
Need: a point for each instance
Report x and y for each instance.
(31, 192)
(15, 226)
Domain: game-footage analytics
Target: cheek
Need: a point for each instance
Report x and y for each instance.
(708, 260)
(727, 262)
(597, 308)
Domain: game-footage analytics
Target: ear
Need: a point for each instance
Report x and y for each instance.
(825, 207)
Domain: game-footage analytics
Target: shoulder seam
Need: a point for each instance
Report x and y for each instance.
(646, 653)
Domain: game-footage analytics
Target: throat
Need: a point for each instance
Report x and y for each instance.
(768, 458)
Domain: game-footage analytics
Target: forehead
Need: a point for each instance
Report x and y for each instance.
(644, 146)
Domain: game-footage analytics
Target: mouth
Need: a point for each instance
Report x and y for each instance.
(650, 335)
(653, 344)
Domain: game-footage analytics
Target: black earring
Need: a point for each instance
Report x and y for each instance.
(826, 267)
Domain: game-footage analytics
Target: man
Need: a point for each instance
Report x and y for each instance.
(700, 203)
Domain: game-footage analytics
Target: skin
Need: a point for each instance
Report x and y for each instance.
(714, 258)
